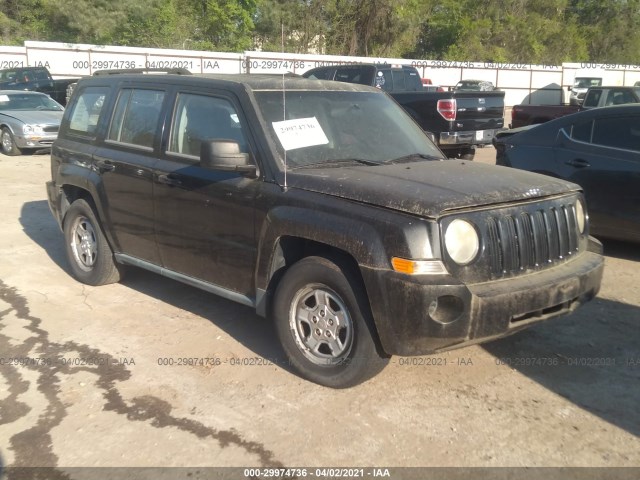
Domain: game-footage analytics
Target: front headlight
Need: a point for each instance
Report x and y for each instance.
(461, 241)
(32, 129)
(581, 216)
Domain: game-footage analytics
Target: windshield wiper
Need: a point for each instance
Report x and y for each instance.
(413, 157)
(341, 161)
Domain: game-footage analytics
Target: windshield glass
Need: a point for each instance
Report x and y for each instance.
(587, 82)
(330, 127)
(28, 101)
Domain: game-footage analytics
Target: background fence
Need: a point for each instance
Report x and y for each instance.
(522, 83)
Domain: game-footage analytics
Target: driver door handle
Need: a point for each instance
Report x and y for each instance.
(578, 163)
(105, 166)
(169, 179)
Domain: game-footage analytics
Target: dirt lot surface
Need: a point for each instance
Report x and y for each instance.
(150, 372)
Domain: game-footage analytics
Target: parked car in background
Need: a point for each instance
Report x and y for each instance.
(36, 79)
(28, 121)
(609, 96)
(428, 86)
(474, 86)
(598, 149)
(580, 87)
(595, 97)
(457, 121)
(523, 115)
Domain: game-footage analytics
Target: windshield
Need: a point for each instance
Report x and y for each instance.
(329, 127)
(28, 101)
(587, 82)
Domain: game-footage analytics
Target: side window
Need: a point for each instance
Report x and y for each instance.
(387, 84)
(85, 111)
(352, 75)
(398, 81)
(136, 116)
(322, 74)
(412, 81)
(619, 97)
(201, 117)
(592, 99)
(40, 74)
(582, 131)
(618, 132)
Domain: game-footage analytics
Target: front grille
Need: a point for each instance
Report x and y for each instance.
(531, 240)
(50, 128)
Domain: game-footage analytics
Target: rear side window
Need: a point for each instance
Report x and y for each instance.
(40, 74)
(618, 132)
(361, 75)
(412, 80)
(582, 131)
(322, 74)
(619, 97)
(387, 80)
(398, 80)
(135, 119)
(85, 111)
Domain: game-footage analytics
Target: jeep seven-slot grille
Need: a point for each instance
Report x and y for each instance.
(530, 240)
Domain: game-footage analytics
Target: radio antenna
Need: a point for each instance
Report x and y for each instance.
(284, 100)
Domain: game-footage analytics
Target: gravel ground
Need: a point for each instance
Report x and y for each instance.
(101, 380)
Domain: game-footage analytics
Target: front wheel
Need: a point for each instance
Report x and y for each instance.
(324, 323)
(88, 251)
(8, 143)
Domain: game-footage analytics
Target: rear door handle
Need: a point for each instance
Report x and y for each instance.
(105, 166)
(578, 163)
(169, 179)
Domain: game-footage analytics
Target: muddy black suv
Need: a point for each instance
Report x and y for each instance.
(320, 204)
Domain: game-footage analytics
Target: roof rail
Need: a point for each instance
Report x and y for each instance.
(173, 71)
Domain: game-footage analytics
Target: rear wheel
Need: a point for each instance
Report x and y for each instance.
(467, 153)
(324, 323)
(88, 251)
(7, 143)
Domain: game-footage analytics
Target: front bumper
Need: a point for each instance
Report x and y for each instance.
(35, 141)
(414, 318)
(472, 137)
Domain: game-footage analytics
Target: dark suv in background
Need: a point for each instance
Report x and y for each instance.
(457, 121)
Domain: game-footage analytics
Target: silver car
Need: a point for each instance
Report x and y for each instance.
(28, 121)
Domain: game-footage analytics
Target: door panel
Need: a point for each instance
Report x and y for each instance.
(610, 176)
(125, 163)
(204, 219)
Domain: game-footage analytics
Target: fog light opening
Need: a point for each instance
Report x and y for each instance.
(446, 309)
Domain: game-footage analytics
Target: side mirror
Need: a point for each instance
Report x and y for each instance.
(225, 155)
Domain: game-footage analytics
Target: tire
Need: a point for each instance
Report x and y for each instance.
(324, 323)
(467, 153)
(8, 143)
(89, 254)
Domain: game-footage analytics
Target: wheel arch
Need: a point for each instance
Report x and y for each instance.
(73, 191)
(348, 243)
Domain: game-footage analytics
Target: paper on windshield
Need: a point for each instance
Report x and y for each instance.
(300, 133)
(4, 98)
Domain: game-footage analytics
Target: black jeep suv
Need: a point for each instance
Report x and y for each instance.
(320, 204)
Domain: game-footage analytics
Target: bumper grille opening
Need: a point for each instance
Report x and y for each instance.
(545, 312)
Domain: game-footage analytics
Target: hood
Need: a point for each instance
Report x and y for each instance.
(35, 117)
(429, 188)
